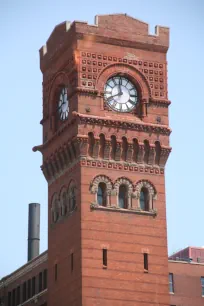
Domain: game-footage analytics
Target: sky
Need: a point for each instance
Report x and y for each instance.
(24, 28)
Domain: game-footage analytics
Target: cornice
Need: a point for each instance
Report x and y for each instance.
(55, 135)
(137, 126)
(159, 103)
(24, 269)
(121, 42)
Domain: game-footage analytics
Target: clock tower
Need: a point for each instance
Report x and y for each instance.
(105, 146)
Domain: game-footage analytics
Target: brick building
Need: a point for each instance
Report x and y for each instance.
(105, 146)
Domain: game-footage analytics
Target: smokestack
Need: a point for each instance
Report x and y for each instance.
(33, 230)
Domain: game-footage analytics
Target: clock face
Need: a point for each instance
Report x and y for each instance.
(63, 104)
(120, 94)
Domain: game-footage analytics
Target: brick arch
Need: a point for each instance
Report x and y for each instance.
(101, 179)
(146, 184)
(123, 181)
(135, 75)
(61, 78)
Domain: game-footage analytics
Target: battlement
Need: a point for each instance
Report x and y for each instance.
(118, 29)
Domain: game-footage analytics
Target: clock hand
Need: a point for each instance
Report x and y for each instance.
(118, 94)
(120, 83)
(61, 105)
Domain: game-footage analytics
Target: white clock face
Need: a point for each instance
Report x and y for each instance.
(63, 104)
(120, 94)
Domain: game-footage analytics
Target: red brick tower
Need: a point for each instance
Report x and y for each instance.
(105, 145)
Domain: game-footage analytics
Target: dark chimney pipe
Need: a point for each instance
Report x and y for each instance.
(33, 230)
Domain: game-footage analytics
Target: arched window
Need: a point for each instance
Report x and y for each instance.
(55, 211)
(64, 204)
(123, 196)
(72, 198)
(144, 199)
(101, 194)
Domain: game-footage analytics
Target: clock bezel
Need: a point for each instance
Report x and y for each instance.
(59, 107)
(132, 81)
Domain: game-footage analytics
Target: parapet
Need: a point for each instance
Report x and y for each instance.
(118, 29)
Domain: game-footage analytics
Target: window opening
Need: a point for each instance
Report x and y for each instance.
(9, 299)
(56, 272)
(14, 297)
(105, 259)
(144, 199)
(45, 279)
(171, 283)
(33, 286)
(145, 261)
(202, 285)
(72, 198)
(29, 289)
(24, 291)
(40, 282)
(101, 194)
(123, 198)
(72, 262)
(18, 295)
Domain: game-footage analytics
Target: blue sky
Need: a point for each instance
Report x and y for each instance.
(24, 28)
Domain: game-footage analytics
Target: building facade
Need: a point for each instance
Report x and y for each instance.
(105, 146)
(186, 283)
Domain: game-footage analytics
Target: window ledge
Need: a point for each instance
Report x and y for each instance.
(95, 206)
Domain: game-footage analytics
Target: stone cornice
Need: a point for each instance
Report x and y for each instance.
(138, 126)
(159, 103)
(55, 135)
(23, 270)
(152, 212)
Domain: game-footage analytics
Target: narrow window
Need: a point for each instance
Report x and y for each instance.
(33, 286)
(72, 262)
(91, 142)
(18, 296)
(113, 147)
(123, 196)
(14, 297)
(56, 212)
(101, 194)
(105, 259)
(171, 283)
(145, 261)
(29, 289)
(24, 291)
(55, 272)
(9, 299)
(102, 146)
(202, 285)
(144, 199)
(64, 204)
(45, 279)
(72, 203)
(40, 282)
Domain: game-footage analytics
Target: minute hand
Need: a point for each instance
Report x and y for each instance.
(118, 94)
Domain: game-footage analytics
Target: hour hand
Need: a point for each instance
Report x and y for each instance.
(118, 94)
